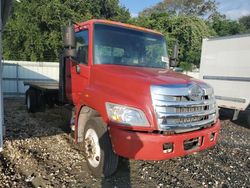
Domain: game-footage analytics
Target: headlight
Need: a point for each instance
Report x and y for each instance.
(126, 115)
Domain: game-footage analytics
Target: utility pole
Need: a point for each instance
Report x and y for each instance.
(1, 72)
(5, 7)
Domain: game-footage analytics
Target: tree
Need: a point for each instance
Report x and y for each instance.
(224, 27)
(34, 29)
(182, 7)
(186, 66)
(245, 20)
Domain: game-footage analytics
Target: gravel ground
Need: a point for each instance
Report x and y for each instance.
(38, 153)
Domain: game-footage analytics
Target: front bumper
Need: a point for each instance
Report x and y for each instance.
(149, 146)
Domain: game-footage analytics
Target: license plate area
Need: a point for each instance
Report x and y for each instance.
(192, 143)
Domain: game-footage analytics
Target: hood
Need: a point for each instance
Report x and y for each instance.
(152, 76)
(128, 82)
(130, 86)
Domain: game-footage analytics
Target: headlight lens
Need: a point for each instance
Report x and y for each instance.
(126, 115)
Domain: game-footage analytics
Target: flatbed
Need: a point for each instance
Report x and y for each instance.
(43, 85)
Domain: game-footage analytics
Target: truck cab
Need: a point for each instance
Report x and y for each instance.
(127, 100)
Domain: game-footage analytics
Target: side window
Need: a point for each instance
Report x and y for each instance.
(82, 43)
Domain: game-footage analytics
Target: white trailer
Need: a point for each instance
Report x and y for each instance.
(225, 64)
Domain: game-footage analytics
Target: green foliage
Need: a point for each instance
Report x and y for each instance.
(223, 26)
(245, 20)
(180, 7)
(34, 29)
(186, 66)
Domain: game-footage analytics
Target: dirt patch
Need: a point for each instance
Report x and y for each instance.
(38, 153)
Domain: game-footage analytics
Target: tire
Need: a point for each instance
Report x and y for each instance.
(50, 104)
(41, 104)
(101, 159)
(50, 100)
(35, 101)
(31, 101)
(248, 118)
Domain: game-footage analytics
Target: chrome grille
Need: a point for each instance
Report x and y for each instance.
(175, 111)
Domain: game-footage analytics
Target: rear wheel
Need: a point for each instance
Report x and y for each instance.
(248, 118)
(31, 100)
(101, 159)
(35, 101)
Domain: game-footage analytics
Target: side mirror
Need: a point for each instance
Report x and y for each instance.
(173, 59)
(69, 41)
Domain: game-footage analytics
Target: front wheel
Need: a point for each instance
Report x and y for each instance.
(101, 159)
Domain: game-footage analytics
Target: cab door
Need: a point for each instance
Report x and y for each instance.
(77, 69)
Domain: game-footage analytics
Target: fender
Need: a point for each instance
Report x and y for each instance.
(83, 115)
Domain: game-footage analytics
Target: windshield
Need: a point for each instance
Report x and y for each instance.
(121, 46)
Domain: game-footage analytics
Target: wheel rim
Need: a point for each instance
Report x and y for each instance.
(28, 101)
(92, 148)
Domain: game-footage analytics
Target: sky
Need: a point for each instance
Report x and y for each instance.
(233, 9)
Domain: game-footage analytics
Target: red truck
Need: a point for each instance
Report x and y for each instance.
(126, 99)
